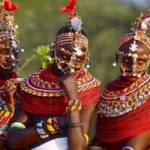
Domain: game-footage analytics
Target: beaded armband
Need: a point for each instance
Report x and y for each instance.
(52, 125)
(73, 105)
(40, 130)
(17, 125)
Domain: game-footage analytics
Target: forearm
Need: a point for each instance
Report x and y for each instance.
(76, 137)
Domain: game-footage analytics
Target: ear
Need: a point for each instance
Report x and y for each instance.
(52, 53)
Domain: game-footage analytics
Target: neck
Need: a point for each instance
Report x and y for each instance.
(57, 72)
(5, 76)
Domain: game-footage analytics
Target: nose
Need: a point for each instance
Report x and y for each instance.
(10, 58)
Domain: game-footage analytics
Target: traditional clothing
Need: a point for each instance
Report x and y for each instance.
(6, 110)
(124, 109)
(42, 93)
(8, 61)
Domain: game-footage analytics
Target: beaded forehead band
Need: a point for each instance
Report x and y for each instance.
(140, 27)
(74, 24)
(69, 38)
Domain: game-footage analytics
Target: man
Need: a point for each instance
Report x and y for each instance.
(123, 110)
(59, 101)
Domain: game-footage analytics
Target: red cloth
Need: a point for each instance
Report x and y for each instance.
(56, 105)
(115, 129)
(12, 75)
(121, 83)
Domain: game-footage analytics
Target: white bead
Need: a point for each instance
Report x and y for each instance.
(87, 66)
(114, 64)
(122, 98)
(22, 50)
(72, 70)
(16, 26)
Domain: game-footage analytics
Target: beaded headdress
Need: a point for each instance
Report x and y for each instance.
(7, 31)
(139, 33)
(140, 27)
(73, 37)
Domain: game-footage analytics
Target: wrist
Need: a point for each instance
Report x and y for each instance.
(11, 95)
(74, 116)
(72, 97)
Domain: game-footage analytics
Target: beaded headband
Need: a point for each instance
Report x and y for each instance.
(73, 36)
(74, 24)
(140, 27)
(69, 38)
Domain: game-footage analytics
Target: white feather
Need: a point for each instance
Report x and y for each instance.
(76, 23)
(145, 24)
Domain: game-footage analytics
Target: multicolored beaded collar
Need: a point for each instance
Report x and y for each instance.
(36, 86)
(117, 103)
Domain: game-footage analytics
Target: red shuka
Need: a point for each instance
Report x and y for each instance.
(115, 129)
(56, 105)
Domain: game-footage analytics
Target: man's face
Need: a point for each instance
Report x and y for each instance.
(134, 63)
(9, 57)
(71, 58)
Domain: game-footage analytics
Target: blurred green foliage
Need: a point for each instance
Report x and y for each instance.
(104, 21)
(43, 53)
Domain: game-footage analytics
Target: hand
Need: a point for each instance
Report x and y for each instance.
(70, 86)
(11, 86)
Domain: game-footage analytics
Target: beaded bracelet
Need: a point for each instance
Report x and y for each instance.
(73, 105)
(74, 125)
(40, 130)
(52, 125)
(17, 125)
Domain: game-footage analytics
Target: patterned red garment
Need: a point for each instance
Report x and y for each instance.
(114, 129)
(42, 93)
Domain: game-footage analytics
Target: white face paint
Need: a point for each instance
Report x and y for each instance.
(133, 46)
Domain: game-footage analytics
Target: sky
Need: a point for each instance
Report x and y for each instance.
(145, 3)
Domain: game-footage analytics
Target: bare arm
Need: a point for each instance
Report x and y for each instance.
(25, 137)
(76, 135)
(20, 137)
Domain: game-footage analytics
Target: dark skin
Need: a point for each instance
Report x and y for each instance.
(29, 135)
(66, 56)
(136, 142)
(5, 74)
(127, 61)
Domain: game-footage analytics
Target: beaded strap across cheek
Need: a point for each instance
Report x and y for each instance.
(73, 105)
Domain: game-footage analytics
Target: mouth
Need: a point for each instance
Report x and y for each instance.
(7, 65)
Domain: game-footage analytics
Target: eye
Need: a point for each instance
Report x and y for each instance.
(141, 61)
(126, 60)
(3, 51)
(78, 59)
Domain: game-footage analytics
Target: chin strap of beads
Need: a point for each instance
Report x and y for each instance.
(52, 125)
(73, 105)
